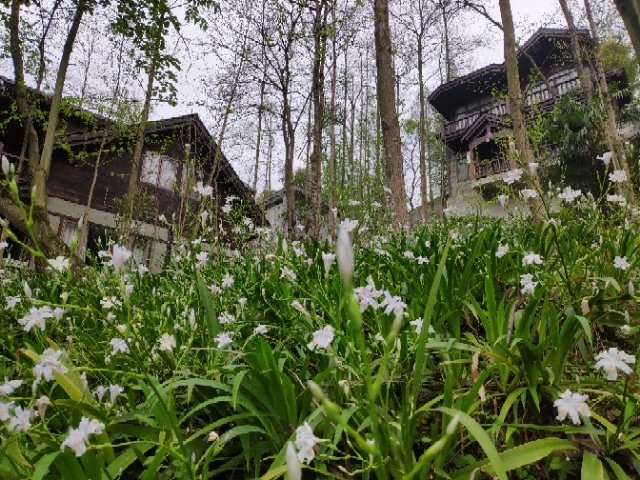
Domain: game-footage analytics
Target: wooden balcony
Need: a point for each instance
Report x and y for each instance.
(538, 95)
(487, 168)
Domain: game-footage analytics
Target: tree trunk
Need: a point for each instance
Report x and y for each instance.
(611, 128)
(516, 102)
(387, 106)
(317, 94)
(423, 134)
(138, 148)
(259, 136)
(331, 165)
(42, 173)
(40, 231)
(583, 74)
(630, 12)
(289, 150)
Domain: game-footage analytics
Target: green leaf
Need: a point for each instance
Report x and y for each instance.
(43, 464)
(476, 430)
(518, 457)
(592, 468)
(617, 470)
(213, 327)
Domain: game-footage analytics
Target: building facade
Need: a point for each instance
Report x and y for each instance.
(476, 114)
(90, 172)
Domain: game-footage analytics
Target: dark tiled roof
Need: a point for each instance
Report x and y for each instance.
(493, 74)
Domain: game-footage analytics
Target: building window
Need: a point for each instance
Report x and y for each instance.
(158, 170)
(68, 230)
(97, 238)
(141, 251)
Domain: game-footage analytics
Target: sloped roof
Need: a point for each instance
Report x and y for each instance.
(539, 48)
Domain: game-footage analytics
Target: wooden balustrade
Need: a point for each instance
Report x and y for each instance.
(486, 168)
(500, 108)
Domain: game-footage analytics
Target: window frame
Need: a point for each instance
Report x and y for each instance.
(155, 178)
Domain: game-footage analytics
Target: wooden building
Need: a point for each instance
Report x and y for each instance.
(178, 152)
(476, 113)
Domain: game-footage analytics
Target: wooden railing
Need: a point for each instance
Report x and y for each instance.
(500, 108)
(491, 167)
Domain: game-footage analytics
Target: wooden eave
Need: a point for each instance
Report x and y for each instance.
(542, 47)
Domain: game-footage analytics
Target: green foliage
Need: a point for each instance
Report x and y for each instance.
(441, 364)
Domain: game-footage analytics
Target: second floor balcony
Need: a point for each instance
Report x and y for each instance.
(563, 83)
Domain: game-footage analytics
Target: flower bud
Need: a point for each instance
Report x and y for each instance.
(344, 253)
(294, 469)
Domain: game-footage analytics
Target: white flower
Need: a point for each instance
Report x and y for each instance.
(612, 360)
(569, 194)
(294, 469)
(527, 284)
(502, 250)
(327, 259)
(202, 258)
(100, 391)
(119, 257)
(409, 254)
(528, 193)
(306, 442)
(7, 167)
(376, 204)
(59, 264)
(226, 208)
(344, 252)
(21, 420)
(114, 392)
(118, 345)
(49, 364)
(8, 387)
(367, 296)
(5, 410)
(223, 339)
(512, 176)
(227, 280)
(531, 258)
(422, 260)
(142, 269)
(605, 157)
(203, 190)
(344, 384)
(42, 404)
(618, 176)
(393, 303)
(322, 338)
(215, 289)
(110, 302)
(167, 342)
(287, 273)
(260, 329)
(573, 405)
(27, 289)
(417, 323)
(348, 225)
(37, 317)
(225, 318)
(621, 263)
(213, 436)
(619, 199)
(78, 438)
(12, 302)
(299, 307)
(503, 199)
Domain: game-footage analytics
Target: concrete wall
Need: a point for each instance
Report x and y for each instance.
(59, 208)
